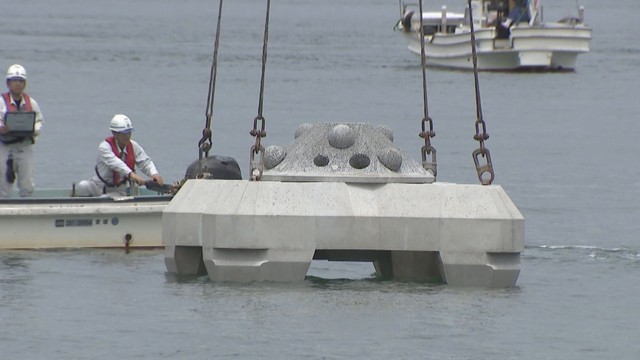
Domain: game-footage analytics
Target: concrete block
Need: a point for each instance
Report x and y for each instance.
(269, 230)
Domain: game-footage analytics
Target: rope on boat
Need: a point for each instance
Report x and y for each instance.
(205, 143)
(485, 170)
(427, 122)
(256, 167)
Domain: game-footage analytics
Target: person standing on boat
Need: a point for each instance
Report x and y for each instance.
(16, 152)
(118, 156)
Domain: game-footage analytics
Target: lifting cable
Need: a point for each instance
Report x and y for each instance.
(205, 144)
(485, 171)
(256, 168)
(427, 149)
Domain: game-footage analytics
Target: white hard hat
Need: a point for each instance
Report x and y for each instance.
(16, 71)
(121, 123)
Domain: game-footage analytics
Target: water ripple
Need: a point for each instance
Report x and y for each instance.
(591, 251)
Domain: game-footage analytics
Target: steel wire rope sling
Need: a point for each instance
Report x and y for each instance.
(481, 127)
(210, 167)
(205, 143)
(426, 122)
(256, 169)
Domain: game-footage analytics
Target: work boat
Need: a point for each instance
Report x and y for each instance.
(343, 191)
(57, 218)
(508, 37)
(54, 218)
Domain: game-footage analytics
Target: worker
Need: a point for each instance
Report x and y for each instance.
(16, 151)
(118, 158)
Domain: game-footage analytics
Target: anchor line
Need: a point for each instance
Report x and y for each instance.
(427, 123)
(205, 143)
(256, 167)
(485, 170)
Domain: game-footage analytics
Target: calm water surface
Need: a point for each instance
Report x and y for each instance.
(563, 146)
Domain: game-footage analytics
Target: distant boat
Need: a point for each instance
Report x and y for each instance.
(55, 219)
(508, 36)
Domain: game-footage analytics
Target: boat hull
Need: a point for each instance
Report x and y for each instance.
(550, 47)
(65, 222)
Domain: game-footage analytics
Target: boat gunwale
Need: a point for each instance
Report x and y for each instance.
(85, 200)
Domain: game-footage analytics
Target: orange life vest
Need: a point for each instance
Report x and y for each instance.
(130, 159)
(11, 107)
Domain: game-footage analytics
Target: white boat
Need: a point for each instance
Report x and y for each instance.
(507, 37)
(54, 219)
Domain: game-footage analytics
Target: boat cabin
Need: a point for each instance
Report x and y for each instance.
(487, 13)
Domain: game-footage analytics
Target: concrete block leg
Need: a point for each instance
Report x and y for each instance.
(383, 266)
(416, 266)
(248, 265)
(481, 269)
(184, 260)
(409, 266)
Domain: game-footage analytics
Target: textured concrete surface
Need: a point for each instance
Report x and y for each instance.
(351, 152)
(268, 230)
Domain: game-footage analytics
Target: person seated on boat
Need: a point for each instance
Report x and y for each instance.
(519, 11)
(118, 156)
(495, 11)
(16, 151)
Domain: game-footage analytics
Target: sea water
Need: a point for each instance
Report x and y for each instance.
(564, 146)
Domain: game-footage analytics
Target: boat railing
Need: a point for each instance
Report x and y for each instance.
(581, 14)
(443, 19)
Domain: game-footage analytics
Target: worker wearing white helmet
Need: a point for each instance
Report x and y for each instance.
(118, 159)
(16, 147)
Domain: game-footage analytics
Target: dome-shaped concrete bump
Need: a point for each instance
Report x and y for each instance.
(391, 158)
(273, 155)
(359, 161)
(386, 131)
(302, 128)
(342, 136)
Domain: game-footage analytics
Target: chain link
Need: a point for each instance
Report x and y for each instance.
(204, 145)
(485, 171)
(427, 149)
(257, 168)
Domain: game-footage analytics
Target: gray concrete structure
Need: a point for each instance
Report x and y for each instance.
(270, 230)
